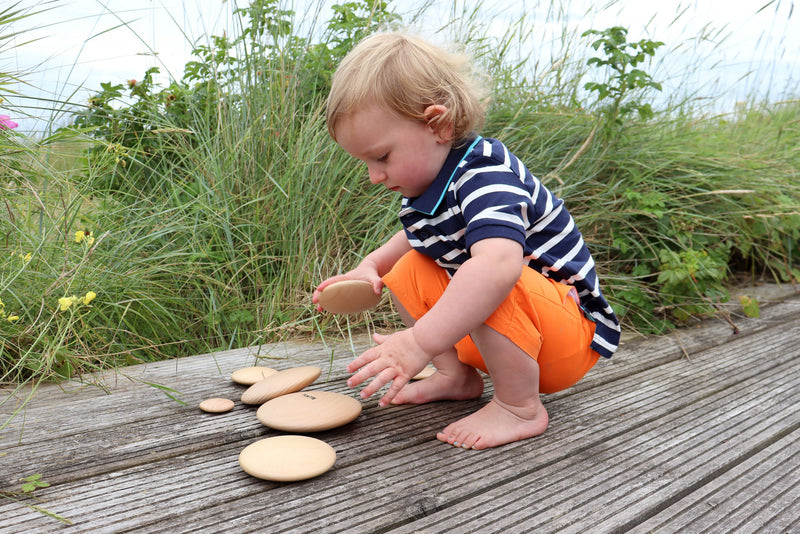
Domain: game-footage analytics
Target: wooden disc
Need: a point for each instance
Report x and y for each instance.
(280, 383)
(287, 458)
(216, 405)
(348, 296)
(425, 373)
(309, 411)
(250, 375)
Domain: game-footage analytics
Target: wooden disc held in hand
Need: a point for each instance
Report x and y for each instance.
(280, 383)
(309, 411)
(348, 296)
(287, 458)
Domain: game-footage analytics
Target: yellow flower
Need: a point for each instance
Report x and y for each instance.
(13, 319)
(66, 303)
(88, 298)
(81, 236)
(26, 258)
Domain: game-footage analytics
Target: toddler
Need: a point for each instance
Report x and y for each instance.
(489, 271)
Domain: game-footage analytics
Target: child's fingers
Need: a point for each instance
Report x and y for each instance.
(325, 283)
(357, 378)
(398, 383)
(379, 338)
(380, 380)
(361, 361)
(377, 285)
(363, 367)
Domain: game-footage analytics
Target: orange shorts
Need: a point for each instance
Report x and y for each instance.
(540, 316)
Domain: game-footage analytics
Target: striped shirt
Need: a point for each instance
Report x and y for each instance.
(484, 191)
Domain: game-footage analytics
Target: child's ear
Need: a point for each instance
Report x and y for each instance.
(437, 118)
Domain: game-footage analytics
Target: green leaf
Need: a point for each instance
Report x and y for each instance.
(750, 306)
(33, 482)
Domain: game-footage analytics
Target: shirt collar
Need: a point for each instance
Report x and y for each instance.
(430, 200)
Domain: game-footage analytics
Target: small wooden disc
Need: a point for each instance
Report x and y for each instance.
(425, 373)
(216, 405)
(309, 411)
(250, 375)
(280, 383)
(287, 458)
(348, 296)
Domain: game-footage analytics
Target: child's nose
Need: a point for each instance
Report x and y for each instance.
(376, 176)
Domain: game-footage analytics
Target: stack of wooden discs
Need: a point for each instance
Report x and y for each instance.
(284, 406)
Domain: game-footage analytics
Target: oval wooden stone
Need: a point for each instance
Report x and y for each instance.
(309, 411)
(348, 296)
(248, 376)
(216, 405)
(280, 383)
(287, 458)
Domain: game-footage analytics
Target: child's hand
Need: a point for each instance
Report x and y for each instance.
(362, 272)
(396, 359)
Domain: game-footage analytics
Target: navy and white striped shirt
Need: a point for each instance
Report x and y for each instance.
(484, 191)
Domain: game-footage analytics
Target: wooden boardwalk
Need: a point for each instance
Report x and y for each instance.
(697, 431)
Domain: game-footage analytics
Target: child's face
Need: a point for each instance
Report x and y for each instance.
(402, 154)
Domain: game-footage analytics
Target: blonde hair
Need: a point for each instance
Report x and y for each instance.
(406, 74)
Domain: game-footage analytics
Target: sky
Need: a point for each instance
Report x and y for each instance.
(66, 48)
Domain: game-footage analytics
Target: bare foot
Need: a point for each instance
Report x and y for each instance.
(496, 424)
(463, 384)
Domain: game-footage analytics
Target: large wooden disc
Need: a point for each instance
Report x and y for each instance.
(280, 383)
(287, 458)
(309, 411)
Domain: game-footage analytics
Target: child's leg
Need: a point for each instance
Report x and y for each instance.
(537, 341)
(452, 380)
(417, 282)
(515, 412)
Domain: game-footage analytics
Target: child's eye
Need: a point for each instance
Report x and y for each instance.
(384, 158)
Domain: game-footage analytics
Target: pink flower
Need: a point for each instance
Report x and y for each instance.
(7, 123)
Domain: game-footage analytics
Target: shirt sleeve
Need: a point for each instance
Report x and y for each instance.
(497, 200)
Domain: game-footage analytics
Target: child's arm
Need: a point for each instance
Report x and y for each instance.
(479, 286)
(373, 266)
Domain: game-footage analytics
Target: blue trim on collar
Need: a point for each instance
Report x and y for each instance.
(429, 201)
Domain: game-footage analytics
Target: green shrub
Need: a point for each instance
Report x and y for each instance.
(217, 202)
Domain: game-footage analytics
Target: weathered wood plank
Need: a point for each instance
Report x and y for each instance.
(615, 482)
(186, 375)
(468, 505)
(398, 473)
(743, 499)
(176, 470)
(192, 379)
(190, 373)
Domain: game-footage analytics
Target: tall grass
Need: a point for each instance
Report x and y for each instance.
(217, 202)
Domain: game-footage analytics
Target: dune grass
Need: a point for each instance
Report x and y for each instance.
(202, 213)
